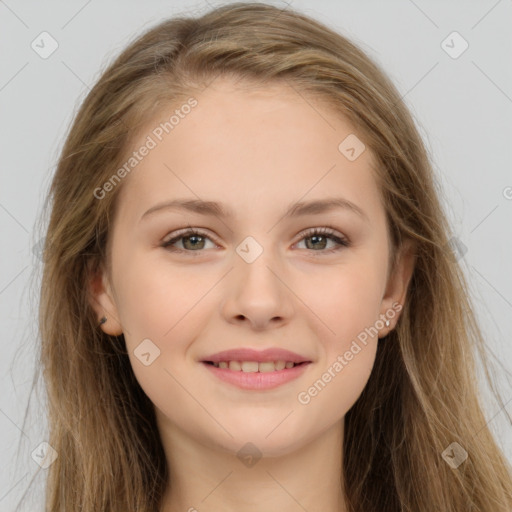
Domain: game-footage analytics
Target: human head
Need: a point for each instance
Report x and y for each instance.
(315, 304)
(167, 65)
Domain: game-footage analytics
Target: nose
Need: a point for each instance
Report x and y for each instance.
(257, 293)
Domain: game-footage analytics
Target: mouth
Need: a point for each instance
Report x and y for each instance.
(255, 366)
(256, 375)
(257, 370)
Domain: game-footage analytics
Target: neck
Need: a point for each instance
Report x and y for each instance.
(211, 479)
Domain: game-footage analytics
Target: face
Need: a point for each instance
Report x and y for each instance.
(262, 276)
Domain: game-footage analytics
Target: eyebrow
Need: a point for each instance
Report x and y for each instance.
(294, 210)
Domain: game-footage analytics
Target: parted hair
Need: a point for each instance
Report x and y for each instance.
(422, 394)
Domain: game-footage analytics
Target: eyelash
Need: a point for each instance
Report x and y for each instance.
(324, 231)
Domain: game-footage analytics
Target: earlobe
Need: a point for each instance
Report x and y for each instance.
(398, 283)
(101, 300)
(404, 271)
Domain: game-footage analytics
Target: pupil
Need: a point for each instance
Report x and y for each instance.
(316, 237)
(191, 237)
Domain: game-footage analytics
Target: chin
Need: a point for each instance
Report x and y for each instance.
(278, 440)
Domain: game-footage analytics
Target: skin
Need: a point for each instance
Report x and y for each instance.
(256, 151)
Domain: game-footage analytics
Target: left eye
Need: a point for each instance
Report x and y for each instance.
(322, 235)
(193, 239)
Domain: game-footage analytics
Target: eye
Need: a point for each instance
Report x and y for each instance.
(319, 238)
(193, 240)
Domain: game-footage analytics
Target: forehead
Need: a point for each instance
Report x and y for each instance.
(249, 147)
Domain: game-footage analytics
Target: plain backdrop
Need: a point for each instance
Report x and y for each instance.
(461, 99)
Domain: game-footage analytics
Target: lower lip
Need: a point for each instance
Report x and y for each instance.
(257, 380)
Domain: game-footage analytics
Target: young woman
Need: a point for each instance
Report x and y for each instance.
(249, 300)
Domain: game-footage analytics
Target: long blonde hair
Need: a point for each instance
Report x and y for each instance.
(422, 395)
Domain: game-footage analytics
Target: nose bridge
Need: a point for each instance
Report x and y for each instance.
(255, 290)
(254, 261)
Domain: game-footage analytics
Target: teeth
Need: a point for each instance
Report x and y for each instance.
(249, 366)
(268, 366)
(280, 365)
(254, 366)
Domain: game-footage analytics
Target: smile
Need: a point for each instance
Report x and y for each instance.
(254, 366)
(256, 375)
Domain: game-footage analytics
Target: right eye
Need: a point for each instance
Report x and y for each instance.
(193, 238)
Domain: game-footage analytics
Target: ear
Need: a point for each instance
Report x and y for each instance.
(397, 285)
(103, 303)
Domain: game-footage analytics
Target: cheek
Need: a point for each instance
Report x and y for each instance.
(157, 299)
(338, 384)
(349, 306)
(346, 299)
(166, 306)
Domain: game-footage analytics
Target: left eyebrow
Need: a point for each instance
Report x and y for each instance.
(294, 210)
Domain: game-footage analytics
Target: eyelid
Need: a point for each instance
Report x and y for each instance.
(190, 231)
(340, 239)
(325, 229)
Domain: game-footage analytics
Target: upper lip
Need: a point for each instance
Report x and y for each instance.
(247, 354)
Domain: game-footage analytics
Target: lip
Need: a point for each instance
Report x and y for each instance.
(261, 356)
(256, 380)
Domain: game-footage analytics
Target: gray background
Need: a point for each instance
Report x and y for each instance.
(463, 107)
